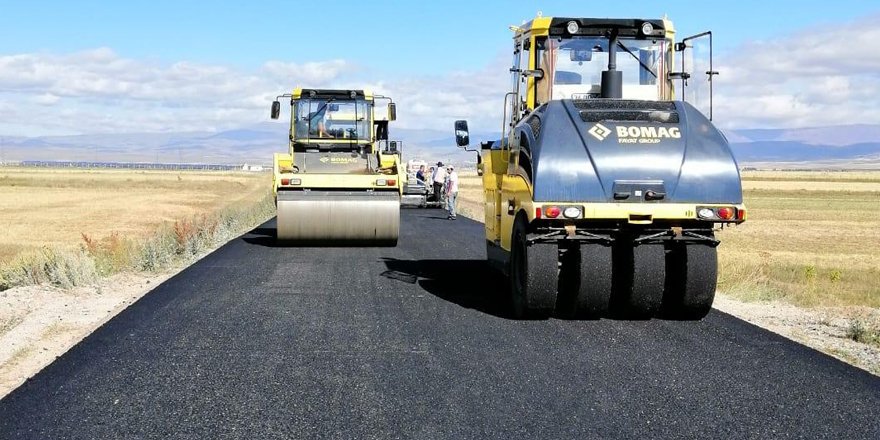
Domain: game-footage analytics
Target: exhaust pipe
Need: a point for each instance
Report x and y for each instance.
(612, 79)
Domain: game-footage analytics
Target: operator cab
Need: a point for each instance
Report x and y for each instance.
(572, 67)
(338, 120)
(590, 58)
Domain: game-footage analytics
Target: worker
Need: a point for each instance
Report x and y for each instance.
(451, 191)
(316, 121)
(420, 175)
(439, 178)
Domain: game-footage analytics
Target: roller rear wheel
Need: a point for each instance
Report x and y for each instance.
(639, 277)
(585, 280)
(692, 275)
(534, 272)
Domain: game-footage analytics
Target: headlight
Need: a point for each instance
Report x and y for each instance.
(572, 27)
(647, 28)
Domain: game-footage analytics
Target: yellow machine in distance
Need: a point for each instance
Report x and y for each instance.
(602, 195)
(341, 181)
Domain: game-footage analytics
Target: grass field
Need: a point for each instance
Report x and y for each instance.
(811, 239)
(67, 227)
(55, 207)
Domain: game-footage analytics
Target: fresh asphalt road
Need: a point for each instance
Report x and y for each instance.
(258, 341)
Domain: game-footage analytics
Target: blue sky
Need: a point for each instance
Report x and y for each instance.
(395, 36)
(153, 65)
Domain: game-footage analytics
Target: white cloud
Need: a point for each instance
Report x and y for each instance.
(100, 91)
(820, 76)
(46, 99)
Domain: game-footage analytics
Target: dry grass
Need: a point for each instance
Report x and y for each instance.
(9, 321)
(811, 239)
(806, 247)
(51, 207)
(68, 227)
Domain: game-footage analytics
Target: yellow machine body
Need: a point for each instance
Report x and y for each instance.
(341, 181)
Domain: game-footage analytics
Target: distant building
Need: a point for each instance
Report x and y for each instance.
(247, 167)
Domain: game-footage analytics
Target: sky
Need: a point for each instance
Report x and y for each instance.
(159, 66)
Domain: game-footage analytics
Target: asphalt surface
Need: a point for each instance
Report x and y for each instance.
(258, 341)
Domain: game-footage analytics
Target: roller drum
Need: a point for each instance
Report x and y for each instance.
(353, 218)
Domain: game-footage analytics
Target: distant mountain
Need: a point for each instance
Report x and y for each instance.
(841, 135)
(844, 142)
(256, 143)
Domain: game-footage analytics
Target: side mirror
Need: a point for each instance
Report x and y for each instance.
(392, 111)
(462, 137)
(276, 109)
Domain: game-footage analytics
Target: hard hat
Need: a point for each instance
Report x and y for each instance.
(439, 164)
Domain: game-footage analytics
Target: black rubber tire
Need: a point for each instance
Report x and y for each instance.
(585, 281)
(691, 279)
(639, 279)
(534, 273)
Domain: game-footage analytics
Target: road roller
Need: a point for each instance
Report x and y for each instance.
(604, 193)
(340, 182)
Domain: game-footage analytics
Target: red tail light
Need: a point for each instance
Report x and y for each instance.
(391, 182)
(538, 212)
(725, 213)
(285, 181)
(552, 211)
(741, 214)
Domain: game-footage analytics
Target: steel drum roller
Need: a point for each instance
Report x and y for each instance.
(317, 218)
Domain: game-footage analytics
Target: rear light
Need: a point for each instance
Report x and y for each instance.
(572, 212)
(741, 214)
(391, 182)
(381, 182)
(725, 213)
(291, 181)
(569, 212)
(285, 181)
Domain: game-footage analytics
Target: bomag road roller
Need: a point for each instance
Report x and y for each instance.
(604, 191)
(341, 181)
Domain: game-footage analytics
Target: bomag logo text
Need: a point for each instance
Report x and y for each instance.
(640, 134)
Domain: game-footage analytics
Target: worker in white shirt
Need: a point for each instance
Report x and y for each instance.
(451, 191)
(439, 179)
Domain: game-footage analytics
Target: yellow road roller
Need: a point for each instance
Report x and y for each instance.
(341, 181)
(603, 194)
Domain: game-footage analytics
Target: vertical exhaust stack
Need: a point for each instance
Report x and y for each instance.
(612, 79)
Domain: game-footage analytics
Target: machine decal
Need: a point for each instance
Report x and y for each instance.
(599, 131)
(645, 134)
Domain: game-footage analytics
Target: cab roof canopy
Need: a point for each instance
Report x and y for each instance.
(337, 94)
(626, 27)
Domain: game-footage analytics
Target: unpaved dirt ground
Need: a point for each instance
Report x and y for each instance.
(40, 323)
